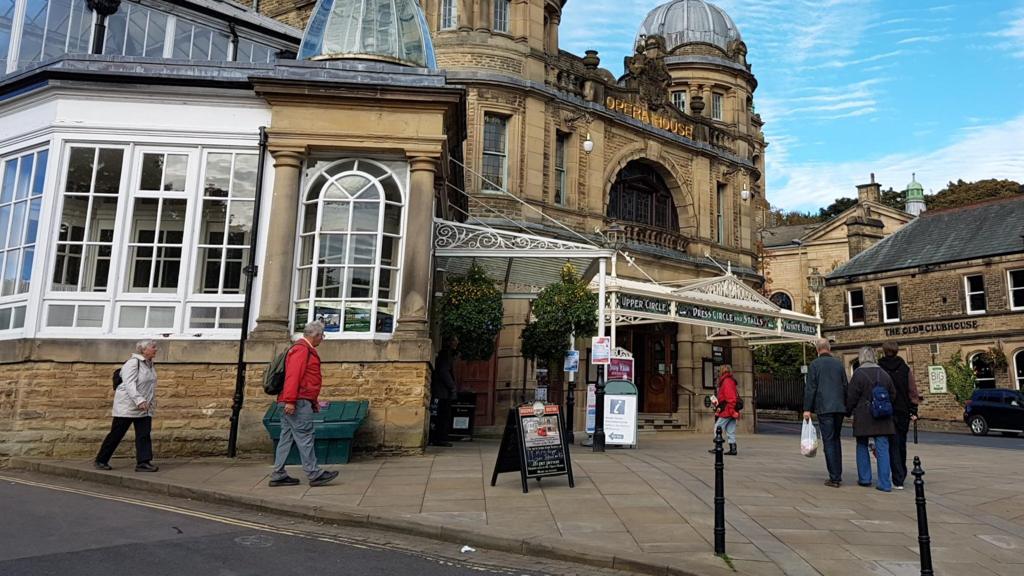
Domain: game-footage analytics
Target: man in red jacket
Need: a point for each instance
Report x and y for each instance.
(725, 407)
(300, 396)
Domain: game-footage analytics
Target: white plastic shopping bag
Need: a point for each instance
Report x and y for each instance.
(808, 439)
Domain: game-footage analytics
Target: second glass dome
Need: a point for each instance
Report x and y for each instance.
(388, 30)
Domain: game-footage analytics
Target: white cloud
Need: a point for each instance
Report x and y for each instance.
(920, 39)
(1013, 34)
(990, 151)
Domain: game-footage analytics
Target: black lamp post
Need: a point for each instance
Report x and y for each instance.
(102, 8)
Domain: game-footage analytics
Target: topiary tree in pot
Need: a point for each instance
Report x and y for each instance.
(562, 310)
(471, 310)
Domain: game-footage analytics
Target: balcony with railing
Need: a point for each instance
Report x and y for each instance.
(626, 233)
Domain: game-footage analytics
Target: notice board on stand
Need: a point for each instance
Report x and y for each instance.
(533, 444)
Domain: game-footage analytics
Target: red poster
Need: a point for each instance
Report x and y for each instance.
(620, 369)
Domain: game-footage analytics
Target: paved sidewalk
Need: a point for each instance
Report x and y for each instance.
(650, 510)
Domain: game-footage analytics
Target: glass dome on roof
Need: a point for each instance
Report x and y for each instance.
(388, 30)
(686, 21)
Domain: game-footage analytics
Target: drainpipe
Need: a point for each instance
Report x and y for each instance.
(250, 275)
(102, 8)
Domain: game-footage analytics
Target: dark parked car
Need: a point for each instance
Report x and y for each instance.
(995, 410)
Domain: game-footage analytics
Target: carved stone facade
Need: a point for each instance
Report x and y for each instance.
(547, 103)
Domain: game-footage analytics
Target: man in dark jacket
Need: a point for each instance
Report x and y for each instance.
(865, 426)
(301, 399)
(442, 389)
(825, 395)
(904, 404)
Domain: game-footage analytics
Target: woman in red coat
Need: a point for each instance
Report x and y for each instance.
(725, 407)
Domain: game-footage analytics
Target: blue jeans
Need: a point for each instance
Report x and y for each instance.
(864, 462)
(728, 426)
(831, 430)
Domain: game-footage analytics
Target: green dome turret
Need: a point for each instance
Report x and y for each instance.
(914, 189)
(914, 196)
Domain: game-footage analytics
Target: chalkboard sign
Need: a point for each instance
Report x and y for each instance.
(533, 444)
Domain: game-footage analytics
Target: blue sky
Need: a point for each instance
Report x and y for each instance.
(850, 87)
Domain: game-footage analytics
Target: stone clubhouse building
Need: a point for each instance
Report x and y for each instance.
(949, 282)
(403, 142)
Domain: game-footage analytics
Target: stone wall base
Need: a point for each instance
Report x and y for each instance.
(62, 410)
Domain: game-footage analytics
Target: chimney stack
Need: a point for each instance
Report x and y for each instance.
(871, 192)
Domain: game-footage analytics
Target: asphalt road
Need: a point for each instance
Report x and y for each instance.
(993, 440)
(82, 530)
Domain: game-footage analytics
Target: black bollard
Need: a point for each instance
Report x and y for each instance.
(719, 495)
(924, 542)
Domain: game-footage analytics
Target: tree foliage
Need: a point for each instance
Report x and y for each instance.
(894, 199)
(471, 310)
(837, 207)
(962, 193)
(782, 360)
(561, 310)
(960, 378)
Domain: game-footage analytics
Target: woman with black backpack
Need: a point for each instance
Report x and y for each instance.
(869, 401)
(134, 403)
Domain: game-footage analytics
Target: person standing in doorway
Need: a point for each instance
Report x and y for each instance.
(442, 388)
(725, 402)
(904, 405)
(869, 385)
(301, 399)
(134, 405)
(825, 395)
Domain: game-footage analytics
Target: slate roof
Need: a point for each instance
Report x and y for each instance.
(785, 235)
(985, 229)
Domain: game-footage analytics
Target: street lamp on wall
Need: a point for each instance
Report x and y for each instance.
(816, 283)
(588, 144)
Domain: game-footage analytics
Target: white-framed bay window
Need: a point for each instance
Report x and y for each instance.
(150, 239)
(22, 177)
(350, 246)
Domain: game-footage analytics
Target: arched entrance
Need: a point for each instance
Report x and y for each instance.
(641, 195)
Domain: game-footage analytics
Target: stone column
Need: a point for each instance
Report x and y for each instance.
(483, 16)
(465, 14)
(418, 261)
(279, 261)
(431, 11)
(553, 33)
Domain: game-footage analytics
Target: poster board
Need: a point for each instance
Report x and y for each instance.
(600, 350)
(591, 408)
(620, 369)
(937, 380)
(620, 420)
(533, 444)
(708, 374)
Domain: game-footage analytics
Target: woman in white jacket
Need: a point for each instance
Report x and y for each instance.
(133, 406)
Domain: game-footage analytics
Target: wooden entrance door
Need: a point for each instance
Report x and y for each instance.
(478, 377)
(659, 380)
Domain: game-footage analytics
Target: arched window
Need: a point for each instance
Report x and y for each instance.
(1018, 366)
(983, 371)
(782, 300)
(641, 195)
(352, 223)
